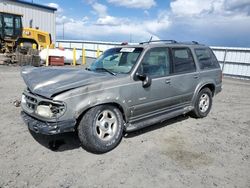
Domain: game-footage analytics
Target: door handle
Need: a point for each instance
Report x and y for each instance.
(167, 81)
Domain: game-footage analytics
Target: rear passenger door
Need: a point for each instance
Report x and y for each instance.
(185, 76)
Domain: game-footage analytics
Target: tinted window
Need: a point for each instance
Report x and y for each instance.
(183, 60)
(8, 25)
(18, 22)
(156, 62)
(206, 58)
(18, 26)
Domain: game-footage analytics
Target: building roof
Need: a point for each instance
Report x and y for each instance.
(35, 5)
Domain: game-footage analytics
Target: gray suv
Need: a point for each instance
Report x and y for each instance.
(127, 88)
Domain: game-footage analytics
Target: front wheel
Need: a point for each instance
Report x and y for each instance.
(202, 104)
(101, 128)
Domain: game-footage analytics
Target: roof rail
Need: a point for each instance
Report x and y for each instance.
(195, 42)
(192, 42)
(171, 42)
(152, 41)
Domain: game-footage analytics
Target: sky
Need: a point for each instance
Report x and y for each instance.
(212, 22)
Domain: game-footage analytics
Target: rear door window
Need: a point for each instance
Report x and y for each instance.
(206, 58)
(183, 60)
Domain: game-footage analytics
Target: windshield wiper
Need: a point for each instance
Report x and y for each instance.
(106, 70)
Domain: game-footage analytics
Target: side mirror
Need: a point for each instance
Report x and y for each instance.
(146, 80)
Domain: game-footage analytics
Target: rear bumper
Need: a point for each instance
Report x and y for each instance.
(48, 128)
(218, 89)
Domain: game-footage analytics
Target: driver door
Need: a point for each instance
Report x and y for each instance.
(155, 98)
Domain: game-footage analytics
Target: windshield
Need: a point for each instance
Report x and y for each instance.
(117, 60)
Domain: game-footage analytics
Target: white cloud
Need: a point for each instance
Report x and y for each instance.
(210, 7)
(211, 21)
(100, 9)
(118, 32)
(143, 4)
(55, 5)
(242, 6)
(107, 25)
(110, 20)
(115, 28)
(191, 7)
(85, 19)
(162, 23)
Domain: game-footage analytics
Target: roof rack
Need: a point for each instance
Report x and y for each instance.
(192, 42)
(152, 41)
(170, 41)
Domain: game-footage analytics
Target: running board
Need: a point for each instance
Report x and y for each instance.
(151, 121)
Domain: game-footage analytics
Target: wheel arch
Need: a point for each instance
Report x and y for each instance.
(209, 85)
(115, 104)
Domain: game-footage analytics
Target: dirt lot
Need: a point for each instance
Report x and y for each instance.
(183, 152)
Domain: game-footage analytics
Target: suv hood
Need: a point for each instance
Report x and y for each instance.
(46, 81)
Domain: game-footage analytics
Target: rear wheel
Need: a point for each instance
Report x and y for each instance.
(101, 129)
(202, 104)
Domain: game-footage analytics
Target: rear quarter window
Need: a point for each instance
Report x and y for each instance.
(206, 58)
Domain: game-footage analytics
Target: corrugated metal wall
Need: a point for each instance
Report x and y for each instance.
(43, 18)
(234, 61)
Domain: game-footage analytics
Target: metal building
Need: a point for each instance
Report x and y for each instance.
(41, 16)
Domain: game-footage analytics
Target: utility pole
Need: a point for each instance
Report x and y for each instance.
(63, 30)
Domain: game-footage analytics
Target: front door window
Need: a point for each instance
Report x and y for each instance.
(156, 63)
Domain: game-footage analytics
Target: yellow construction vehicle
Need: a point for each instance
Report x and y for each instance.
(14, 38)
(34, 36)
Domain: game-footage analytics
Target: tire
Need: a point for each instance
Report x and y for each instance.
(101, 129)
(203, 103)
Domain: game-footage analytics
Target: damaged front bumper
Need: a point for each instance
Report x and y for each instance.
(48, 128)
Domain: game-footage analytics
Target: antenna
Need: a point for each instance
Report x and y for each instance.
(150, 39)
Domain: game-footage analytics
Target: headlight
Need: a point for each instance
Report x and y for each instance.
(45, 111)
(50, 110)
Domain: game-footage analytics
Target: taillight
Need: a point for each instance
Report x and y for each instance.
(221, 76)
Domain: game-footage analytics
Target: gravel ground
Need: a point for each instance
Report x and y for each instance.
(182, 152)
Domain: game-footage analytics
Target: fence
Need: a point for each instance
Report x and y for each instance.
(234, 62)
(90, 47)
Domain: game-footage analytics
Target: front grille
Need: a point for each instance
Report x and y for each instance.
(31, 102)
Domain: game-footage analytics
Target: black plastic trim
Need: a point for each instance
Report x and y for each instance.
(48, 128)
